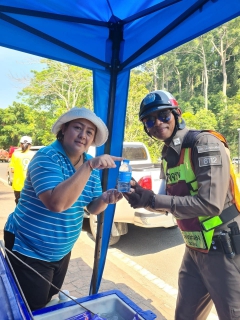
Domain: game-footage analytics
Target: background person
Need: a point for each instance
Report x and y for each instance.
(201, 194)
(61, 180)
(19, 164)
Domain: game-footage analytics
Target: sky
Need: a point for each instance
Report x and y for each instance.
(15, 65)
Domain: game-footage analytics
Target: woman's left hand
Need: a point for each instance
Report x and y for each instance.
(111, 196)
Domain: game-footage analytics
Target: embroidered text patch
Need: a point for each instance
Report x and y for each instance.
(208, 147)
(194, 239)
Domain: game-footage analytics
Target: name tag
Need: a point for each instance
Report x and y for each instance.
(208, 147)
(194, 239)
(210, 161)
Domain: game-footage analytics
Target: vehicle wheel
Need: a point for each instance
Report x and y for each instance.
(93, 227)
(9, 180)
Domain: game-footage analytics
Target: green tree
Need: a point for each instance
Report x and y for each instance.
(43, 121)
(224, 39)
(190, 119)
(59, 86)
(134, 131)
(16, 121)
(229, 123)
(202, 120)
(53, 91)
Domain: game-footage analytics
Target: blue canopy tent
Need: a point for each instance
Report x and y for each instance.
(109, 37)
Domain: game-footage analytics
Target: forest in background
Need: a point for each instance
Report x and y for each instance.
(202, 74)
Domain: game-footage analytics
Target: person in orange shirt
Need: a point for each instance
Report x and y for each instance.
(19, 163)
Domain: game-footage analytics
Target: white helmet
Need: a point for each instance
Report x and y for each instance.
(26, 139)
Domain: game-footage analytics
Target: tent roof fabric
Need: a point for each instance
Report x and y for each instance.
(77, 32)
(109, 37)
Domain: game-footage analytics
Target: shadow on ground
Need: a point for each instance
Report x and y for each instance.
(78, 281)
(141, 241)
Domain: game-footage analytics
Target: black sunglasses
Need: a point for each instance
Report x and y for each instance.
(163, 116)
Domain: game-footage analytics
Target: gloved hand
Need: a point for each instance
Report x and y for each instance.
(140, 197)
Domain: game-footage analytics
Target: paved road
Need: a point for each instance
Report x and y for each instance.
(158, 250)
(149, 258)
(118, 275)
(3, 170)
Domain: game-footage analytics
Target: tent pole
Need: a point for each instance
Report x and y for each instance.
(100, 226)
(116, 36)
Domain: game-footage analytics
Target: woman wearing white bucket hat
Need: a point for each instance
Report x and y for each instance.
(62, 179)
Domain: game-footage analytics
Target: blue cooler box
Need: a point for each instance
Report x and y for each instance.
(108, 305)
(12, 304)
(112, 305)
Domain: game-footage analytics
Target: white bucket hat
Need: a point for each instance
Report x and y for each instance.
(26, 139)
(76, 113)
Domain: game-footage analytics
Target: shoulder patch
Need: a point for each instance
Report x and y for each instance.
(210, 161)
(208, 147)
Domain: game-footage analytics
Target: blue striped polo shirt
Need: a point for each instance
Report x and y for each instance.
(39, 232)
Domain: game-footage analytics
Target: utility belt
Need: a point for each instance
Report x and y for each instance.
(227, 242)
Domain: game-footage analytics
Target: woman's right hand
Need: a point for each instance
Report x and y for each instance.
(103, 162)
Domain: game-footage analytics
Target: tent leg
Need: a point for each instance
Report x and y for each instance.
(112, 94)
(116, 36)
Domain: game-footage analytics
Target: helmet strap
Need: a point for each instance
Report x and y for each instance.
(145, 129)
(179, 124)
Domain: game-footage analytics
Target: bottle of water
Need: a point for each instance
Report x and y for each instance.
(124, 177)
(61, 298)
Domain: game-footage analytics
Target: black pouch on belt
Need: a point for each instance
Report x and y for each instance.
(236, 242)
(235, 236)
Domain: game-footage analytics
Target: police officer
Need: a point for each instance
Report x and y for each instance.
(201, 194)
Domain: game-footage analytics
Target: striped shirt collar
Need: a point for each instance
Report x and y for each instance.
(59, 148)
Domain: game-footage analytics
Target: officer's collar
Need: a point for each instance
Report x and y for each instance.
(176, 142)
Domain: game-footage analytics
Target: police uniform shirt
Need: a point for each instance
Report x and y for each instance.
(211, 166)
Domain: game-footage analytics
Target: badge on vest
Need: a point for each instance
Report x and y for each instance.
(208, 147)
(210, 161)
(194, 239)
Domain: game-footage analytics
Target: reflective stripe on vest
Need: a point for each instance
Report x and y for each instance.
(183, 172)
(194, 234)
(201, 238)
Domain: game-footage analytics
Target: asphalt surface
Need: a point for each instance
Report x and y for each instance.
(120, 273)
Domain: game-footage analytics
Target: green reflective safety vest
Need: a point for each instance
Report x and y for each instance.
(197, 232)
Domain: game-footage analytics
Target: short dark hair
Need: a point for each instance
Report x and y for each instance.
(60, 134)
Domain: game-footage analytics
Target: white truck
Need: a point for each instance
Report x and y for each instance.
(148, 175)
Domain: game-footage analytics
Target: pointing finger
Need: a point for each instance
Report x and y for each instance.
(117, 158)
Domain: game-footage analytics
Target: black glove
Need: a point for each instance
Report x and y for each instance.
(141, 198)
